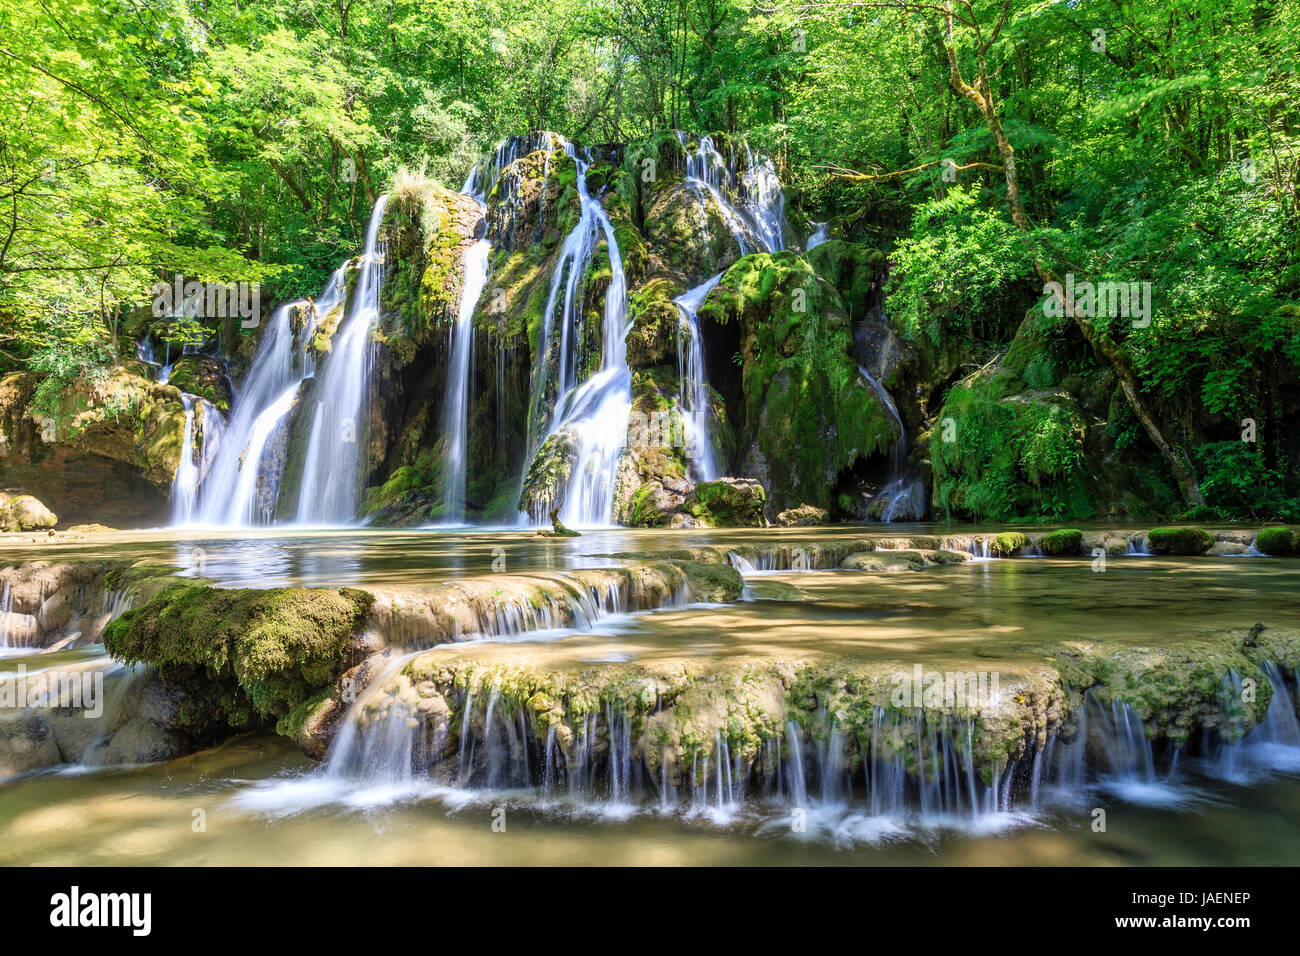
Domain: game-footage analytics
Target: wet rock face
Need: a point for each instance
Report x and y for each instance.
(100, 450)
(686, 227)
(808, 416)
(96, 713)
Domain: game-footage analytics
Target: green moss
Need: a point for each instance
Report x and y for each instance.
(1179, 540)
(806, 405)
(1008, 544)
(243, 654)
(1277, 541)
(1065, 541)
(727, 503)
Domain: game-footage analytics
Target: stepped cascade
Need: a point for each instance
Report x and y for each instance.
(299, 443)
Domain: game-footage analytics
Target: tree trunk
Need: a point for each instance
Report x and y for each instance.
(982, 96)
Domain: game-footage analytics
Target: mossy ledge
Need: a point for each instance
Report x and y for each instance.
(245, 657)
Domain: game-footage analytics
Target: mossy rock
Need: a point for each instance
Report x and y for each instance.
(727, 502)
(1064, 541)
(803, 516)
(24, 513)
(1277, 541)
(808, 414)
(243, 656)
(1182, 541)
(901, 560)
(655, 324)
(202, 376)
(1008, 544)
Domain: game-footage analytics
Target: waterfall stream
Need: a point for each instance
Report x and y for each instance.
(332, 471)
(592, 414)
(456, 398)
(693, 384)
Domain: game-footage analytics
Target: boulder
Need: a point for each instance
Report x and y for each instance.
(20, 512)
(727, 502)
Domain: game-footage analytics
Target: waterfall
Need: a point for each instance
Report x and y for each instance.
(592, 413)
(817, 238)
(186, 480)
(6, 608)
(752, 203)
(903, 494)
(693, 384)
(456, 399)
(332, 470)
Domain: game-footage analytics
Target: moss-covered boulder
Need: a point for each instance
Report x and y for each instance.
(690, 231)
(808, 416)
(203, 376)
(656, 326)
(1277, 541)
(727, 502)
(243, 657)
(901, 560)
(99, 448)
(1008, 544)
(1064, 541)
(803, 516)
(851, 267)
(1182, 541)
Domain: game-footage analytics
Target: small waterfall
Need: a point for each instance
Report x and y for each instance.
(185, 482)
(1272, 745)
(817, 238)
(331, 476)
(6, 608)
(693, 383)
(752, 204)
(593, 414)
(765, 199)
(456, 401)
(903, 494)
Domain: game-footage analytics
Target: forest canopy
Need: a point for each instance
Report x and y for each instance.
(990, 148)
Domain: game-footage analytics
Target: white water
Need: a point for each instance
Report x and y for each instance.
(592, 413)
(456, 398)
(229, 486)
(751, 203)
(903, 495)
(332, 470)
(817, 238)
(693, 384)
(185, 482)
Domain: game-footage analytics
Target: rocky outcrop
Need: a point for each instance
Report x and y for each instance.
(808, 417)
(100, 449)
(203, 376)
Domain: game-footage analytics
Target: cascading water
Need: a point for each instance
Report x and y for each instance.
(903, 495)
(591, 414)
(693, 385)
(186, 480)
(331, 476)
(456, 399)
(751, 203)
(241, 479)
(817, 238)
